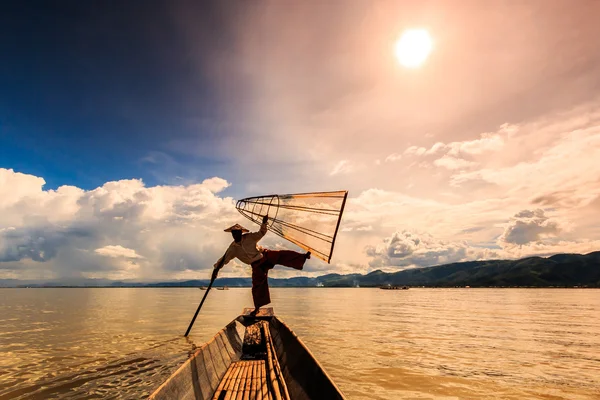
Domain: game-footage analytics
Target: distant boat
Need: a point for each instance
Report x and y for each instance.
(218, 288)
(390, 287)
(252, 358)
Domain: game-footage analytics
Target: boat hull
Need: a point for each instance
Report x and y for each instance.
(291, 373)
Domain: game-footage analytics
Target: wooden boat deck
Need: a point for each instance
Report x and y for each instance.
(256, 379)
(252, 358)
(244, 380)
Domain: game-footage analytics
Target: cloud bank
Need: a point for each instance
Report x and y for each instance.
(70, 233)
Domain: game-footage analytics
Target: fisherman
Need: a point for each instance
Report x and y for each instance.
(246, 249)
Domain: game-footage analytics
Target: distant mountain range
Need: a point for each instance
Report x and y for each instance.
(560, 270)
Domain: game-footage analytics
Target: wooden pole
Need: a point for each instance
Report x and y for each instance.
(214, 276)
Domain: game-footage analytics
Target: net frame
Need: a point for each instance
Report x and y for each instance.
(267, 202)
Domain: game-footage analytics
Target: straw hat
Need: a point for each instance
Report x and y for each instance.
(237, 227)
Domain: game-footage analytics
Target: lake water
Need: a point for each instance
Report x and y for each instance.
(375, 344)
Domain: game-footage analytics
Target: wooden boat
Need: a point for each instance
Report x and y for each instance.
(389, 287)
(257, 358)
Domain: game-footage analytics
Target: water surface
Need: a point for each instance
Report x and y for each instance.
(375, 344)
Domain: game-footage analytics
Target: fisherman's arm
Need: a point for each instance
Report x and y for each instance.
(263, 228)
(256, 236)
(221, 262)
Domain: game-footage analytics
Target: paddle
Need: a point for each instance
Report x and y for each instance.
(212, 279)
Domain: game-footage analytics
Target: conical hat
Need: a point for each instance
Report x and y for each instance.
(237, 227)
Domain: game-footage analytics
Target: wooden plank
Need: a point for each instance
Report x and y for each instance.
(259, 391)
(239, 385)
(248, 386)
(231, 384)
(249, 381)
(276, 376)
(211, 374)
(217, 357)
(234, 336)
(178, 385)
(238, 371)
(268, 395)
(264, 386)
(228, 347)
(223, 350)
(224, 381)
(239, 395)
(246, 395)
(271, 373)
(253, 382)
(257, 380)
(261, 381)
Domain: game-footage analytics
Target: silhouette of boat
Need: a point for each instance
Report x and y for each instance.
(390, 287)
(252, 357)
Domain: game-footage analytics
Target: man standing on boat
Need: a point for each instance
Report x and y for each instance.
(246, 249)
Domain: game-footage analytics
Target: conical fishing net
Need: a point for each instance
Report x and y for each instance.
(309, 220)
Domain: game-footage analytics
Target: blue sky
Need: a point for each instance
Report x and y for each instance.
(128, 129)
(90, 92)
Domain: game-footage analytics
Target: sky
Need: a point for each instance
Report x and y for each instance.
(129, 129)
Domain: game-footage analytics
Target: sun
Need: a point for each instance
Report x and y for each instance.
(413, 47)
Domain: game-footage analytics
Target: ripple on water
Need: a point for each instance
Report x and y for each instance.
(421, 343)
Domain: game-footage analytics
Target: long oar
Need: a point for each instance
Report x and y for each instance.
(214, 276)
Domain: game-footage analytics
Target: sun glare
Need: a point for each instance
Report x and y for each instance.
(413, 48)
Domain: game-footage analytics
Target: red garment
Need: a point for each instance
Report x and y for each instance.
(260, 269)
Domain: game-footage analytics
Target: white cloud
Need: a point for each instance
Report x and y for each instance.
(542, 249)
(465, 206)
(453, 163)
(72, 232)
(458, 155)
(487, 142)
(337, 97)
(37, 243)
(215, 184)
(564, 171)
(117, 252)
(415, 150)
(436, 148)
(459, 229)
(14, 186)
(342, 167)
(536, 237)
(411, 249)
(529, 226)
(393, 157)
